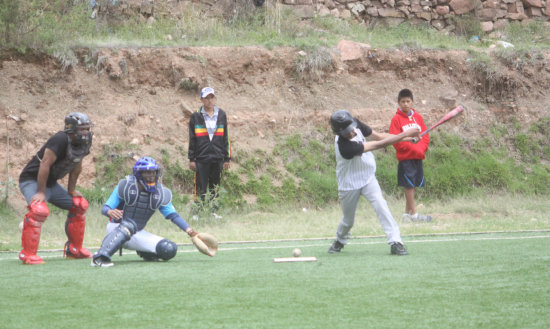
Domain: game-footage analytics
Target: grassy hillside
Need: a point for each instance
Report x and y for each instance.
(511, 158)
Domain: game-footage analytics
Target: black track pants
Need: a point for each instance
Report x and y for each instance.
(207, 177)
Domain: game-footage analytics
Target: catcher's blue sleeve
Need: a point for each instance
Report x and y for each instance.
(113, 202)
(169, 212)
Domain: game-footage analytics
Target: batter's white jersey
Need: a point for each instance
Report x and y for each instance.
(357, 172)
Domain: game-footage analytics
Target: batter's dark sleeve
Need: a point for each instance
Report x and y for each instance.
(365, 130)
(349, 149)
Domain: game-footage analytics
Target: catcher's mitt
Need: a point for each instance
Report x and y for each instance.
(206, 243)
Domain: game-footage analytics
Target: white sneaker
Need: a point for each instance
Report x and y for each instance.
(420, 218)
(406, 218)
(216, 216)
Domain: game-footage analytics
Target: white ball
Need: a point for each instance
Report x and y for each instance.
(21, 226)
(297, 252)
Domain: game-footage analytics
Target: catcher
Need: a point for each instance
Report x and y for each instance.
(130, 206)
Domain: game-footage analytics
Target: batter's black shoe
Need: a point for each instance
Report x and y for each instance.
(336, 247)
(398, 249)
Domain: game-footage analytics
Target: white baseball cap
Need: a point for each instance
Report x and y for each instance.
(207, 91)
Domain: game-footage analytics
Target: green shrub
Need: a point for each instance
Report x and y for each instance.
(96, 194)
(265, 191)
(538, 181)
(314, 63)
(318, 188)
(489, 173)
(532, 35)
(386, 171)
(467, 26)
(526, 146)
(289, 191)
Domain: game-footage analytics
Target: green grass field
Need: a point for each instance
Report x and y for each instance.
(497, 280)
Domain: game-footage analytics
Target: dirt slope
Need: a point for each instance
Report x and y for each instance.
(136, 95)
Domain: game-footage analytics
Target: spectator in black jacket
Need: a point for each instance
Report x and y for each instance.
(209, 146)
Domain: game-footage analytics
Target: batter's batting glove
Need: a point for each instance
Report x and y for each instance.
(205, 243)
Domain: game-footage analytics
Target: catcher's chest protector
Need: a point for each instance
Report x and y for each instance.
(140, 205)
(73, 156)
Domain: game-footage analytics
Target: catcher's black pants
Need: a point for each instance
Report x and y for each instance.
(207, 178)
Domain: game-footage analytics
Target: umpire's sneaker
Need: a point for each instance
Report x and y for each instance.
(336, 247)
(398, 248)
(421, 218)
(416, 218)
(102, 261)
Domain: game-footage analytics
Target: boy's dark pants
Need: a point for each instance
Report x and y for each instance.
(207, 177)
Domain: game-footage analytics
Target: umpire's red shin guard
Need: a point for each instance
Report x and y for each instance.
(75, 227)
(30, 237)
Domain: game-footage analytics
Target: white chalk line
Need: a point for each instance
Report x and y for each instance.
(325, 244)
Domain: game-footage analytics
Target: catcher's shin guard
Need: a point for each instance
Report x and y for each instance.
(74, 228)
(116, 238)
(30, 237)
(166, 249)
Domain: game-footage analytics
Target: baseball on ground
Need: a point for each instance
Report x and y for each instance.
(296, 252)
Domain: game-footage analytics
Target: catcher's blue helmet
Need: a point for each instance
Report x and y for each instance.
(143, 164)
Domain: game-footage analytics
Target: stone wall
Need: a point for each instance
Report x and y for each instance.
(493, 14)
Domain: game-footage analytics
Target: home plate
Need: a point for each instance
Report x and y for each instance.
(294, 259)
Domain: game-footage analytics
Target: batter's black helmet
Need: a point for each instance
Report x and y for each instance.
(342, 122)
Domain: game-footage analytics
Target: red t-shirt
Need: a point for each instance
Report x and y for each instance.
(407, 150)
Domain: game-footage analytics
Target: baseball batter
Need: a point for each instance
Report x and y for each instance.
(355, 172)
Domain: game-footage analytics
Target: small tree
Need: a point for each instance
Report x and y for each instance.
(9, 12)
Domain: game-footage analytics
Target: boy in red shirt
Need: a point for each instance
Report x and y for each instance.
(410, 173)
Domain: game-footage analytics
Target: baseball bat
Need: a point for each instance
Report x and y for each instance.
(456, 111)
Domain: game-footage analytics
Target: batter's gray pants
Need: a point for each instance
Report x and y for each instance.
(373, 193)
(141, 241)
